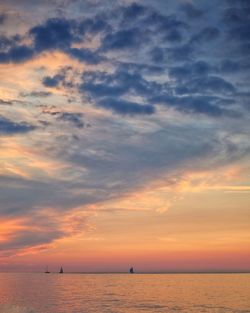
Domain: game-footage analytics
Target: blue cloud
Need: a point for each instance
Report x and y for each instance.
(133, 11)
(168, 43)
(86, 55)
(180, 53)
(191, 11)
(101, 84)
(16, 54)
(229, 66)
(73, 118)
(3, 18)
(189, 70)
(195, 104)
(56, 33)
(37, 94)
(126, 107)
(212, 84)
(94, 25)
(52, 81)
(123, 39)
(8, 127)
(206, 35)
(5, 102)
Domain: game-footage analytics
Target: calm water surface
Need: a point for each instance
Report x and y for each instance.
(124, 293)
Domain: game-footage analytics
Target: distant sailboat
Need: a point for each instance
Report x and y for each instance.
(47, 270)
(131, 271)
(61, 270)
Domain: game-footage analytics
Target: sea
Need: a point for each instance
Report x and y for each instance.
(124, 293)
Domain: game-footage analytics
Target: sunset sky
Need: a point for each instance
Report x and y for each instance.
(124, 135)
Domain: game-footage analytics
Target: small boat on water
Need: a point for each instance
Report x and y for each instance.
(47, 270)
(61, 270)
(131, 271)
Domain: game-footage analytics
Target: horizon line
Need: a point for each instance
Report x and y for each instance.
(123, 272)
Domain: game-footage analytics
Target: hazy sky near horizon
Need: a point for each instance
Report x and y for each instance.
(124, 134)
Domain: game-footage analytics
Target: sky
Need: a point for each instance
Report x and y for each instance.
(124, 135)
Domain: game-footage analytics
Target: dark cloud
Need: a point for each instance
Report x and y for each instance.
(37, 94)
(238, 24)
(17, 54)
(73, 118)
(28, 238)
(180, 53)
(157, 55)
(107, 89)
(191, 11)
(3, 18)
(5, 42)
(174, 35)
(56, 33)
(213, 84)
(206, 35)
(229, 66)
(133, 11)
(86, 55)
(52, 81)
(8, 127)
(189, 70)
(101, 84)
(5, 102)
(94, 25)
(162, 23)
(64, 78)
(195, 104)
(126, 107)
(124, 39)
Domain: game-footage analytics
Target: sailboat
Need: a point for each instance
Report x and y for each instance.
(47, 270)
(131, 271)
(61, 270)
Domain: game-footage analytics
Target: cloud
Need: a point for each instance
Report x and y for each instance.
(3, 18)
(53, 81)
(56, 33)
(86, 55)
(191, 11)
(206, 35)
(8, 127)
(94, 25)
(5, 102)
(123, 39)
(74, 118)
(180, 53)
(126, 107)
(17, 54)
(193, 104)
(189, 70)
(37, 94)
(229, 66)
(101, 84)
(211, 84)
(25, 238)
(133, 11)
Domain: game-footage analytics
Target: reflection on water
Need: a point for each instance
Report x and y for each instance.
(124, 293)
